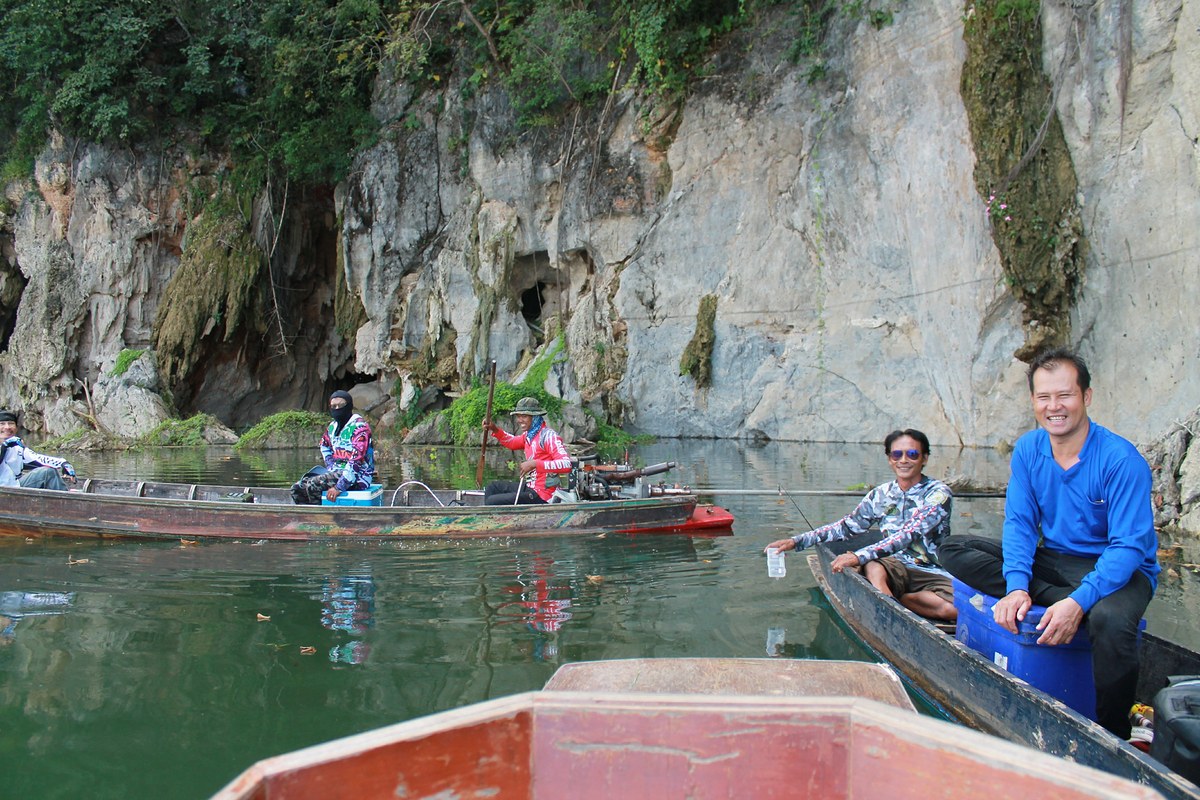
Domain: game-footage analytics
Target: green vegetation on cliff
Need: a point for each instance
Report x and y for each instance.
(697, 356)
(467, 412)
(287, 83)
(292, 426)
(181, 432)
(1023, 166)
(211, 291)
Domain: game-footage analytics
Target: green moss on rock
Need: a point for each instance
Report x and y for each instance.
(1023, 168)
(124, 361)
(348, 312)
(697, 356)
(181, 432)
(285, 429)
(212, 291)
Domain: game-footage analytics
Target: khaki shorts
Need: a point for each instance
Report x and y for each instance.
(903, 579)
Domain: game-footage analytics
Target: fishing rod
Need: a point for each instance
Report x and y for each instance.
(981, 495)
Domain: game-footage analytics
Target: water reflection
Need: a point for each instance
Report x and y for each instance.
(348, 605)
(543, 602)
(16, 606)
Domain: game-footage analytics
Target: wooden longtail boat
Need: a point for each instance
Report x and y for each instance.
(596, 744)
(980, 694)
(145, 509)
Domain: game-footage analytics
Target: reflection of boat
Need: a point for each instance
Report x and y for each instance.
(984, 696)
(598, 744)
(188, 511)
(544, 604)
(15, 606)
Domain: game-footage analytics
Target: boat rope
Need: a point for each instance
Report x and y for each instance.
(432, 493)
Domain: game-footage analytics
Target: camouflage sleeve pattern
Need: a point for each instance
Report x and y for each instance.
(869, 511)
(915, 524)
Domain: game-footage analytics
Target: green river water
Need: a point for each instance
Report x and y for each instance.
(144, 670)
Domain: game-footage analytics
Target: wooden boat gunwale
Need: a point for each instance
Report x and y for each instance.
(980, 694)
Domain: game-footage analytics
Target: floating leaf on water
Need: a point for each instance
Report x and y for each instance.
(306, 650)
(263, 618)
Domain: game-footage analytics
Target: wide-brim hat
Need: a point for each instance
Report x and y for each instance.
(528, 406)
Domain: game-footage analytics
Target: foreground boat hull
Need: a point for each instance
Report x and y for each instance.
(980, 694)
(179, 511)
(587, 744)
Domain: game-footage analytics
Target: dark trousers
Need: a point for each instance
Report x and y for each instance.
(504, 493)
(1111, 624)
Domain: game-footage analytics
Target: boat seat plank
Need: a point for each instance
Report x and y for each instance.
(737, 676)
(114, 488)
(167, 491)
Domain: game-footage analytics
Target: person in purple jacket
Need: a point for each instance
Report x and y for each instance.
(1084, 492)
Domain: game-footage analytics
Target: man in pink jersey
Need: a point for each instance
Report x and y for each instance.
(546, 459)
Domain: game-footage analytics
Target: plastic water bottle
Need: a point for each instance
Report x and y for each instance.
(775, 566)
(775, 641)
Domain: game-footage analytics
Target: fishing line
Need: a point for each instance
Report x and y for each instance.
(784, 492)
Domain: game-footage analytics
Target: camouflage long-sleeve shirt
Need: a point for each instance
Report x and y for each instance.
(913, 523)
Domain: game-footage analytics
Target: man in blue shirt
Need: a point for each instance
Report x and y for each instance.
(1085, 493)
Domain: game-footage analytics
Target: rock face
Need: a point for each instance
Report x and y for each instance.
(836, 221)
(1175, 462)
(131, 405)
(1139, 180)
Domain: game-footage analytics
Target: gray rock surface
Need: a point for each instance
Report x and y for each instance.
(131, 405)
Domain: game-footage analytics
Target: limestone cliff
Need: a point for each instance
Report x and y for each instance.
(835, 214)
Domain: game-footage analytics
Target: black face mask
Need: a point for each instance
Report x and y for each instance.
(341, 416)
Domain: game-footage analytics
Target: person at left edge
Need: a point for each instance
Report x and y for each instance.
(348, 454)
(29, 468)
(546, 458)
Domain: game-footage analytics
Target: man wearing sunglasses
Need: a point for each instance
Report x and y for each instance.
(913, 515)
(1078, 535)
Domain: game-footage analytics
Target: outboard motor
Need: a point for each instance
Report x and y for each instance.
(1177, 726)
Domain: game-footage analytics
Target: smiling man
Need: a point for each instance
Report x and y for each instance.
(24, 465)
(912, 513)
(1085, 493)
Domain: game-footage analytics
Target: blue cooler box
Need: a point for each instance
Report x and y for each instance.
(360, 497)
(1063, 671)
